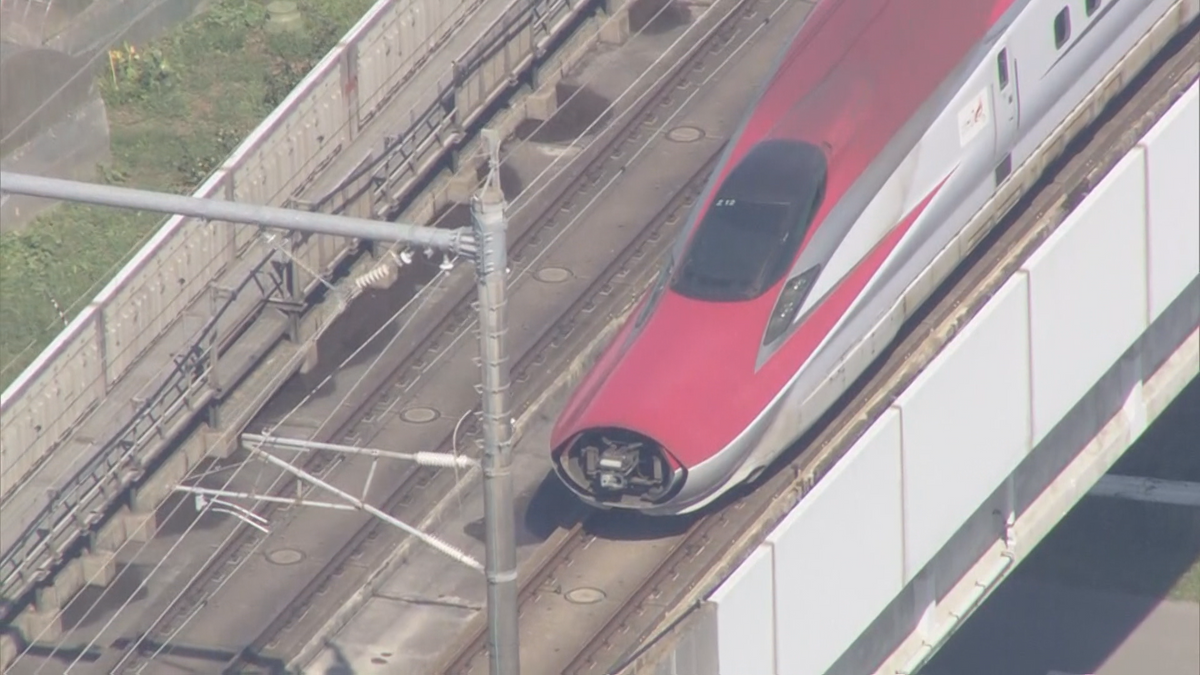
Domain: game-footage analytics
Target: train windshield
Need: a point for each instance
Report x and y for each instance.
(752, 231)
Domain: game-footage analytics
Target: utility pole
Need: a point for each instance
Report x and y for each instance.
(487, 245)
(500, 565)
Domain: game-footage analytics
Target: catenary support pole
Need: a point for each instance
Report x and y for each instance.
(458, 242)
(500, 563)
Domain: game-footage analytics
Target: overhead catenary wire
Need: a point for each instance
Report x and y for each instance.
(231, 476)
(572, 222)
(91, 290)
(645, 145)
(287, 252)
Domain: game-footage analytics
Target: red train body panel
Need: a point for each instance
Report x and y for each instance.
(677, 408)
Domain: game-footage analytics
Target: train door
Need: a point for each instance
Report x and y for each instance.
(1008, 111)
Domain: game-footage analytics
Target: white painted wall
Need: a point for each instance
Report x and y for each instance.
(867, 528)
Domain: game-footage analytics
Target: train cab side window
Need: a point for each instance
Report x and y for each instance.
(750, 233)
(1090, 6)
(1002, 68)
(1062, 28)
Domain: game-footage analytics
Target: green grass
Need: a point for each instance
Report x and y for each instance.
(1188, 586)
(175, 114)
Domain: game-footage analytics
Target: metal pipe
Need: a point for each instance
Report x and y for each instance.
(458, 241)
(487, 211)
(290, 501)
(439, 459)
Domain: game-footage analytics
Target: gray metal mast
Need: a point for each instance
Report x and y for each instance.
(487, 211)
(454, 241)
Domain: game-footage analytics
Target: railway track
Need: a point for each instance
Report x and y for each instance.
(612, 293)
(659, 584)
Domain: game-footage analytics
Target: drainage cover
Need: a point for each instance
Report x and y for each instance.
(285, 556)
(585, 595)
(685, 134)
(419, 415)
(553, 275)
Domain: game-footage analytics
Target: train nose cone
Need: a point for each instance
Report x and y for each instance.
(660, 402)
(618, 466)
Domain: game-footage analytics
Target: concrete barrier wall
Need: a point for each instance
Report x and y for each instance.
(870, 526)
(381, 57)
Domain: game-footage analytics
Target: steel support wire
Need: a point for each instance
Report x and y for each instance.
(435, 542)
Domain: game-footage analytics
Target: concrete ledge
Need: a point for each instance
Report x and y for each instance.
(41, 625)
(8, 650)
(98, 568)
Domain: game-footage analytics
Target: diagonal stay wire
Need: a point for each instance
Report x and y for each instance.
(183, 587)
(421, 93)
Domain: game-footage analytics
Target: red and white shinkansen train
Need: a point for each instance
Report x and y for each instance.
(884, 128)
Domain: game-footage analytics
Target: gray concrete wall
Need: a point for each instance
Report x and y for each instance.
(1047, 460)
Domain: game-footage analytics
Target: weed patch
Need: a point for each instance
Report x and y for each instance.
(176, 107)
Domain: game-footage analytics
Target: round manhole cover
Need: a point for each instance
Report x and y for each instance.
(285, 556)
(585, 595)
(419, 415)
(685, 134)
(553, 275)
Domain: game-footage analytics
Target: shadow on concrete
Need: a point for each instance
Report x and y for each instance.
(579, 108)
(1098, 575)
(341, 665)
(370, 312)
(373, 311)
(185, 651)
(635, 526)
(540, 512)
(93, 603)
(654, 17)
